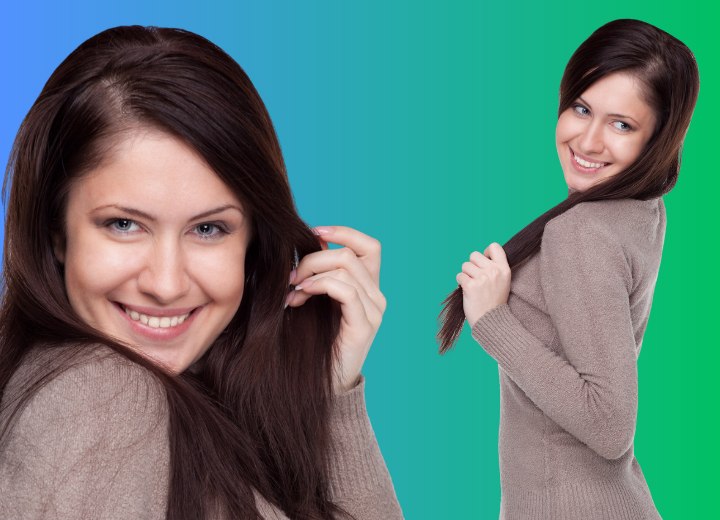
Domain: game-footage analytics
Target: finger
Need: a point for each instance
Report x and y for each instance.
(462, 279)
(472, 270)
(372, 309)
(323, 243)
(479, 259)
(364, 246)
(343, 258)
(477, 280)
(348, 296)
(496, 253)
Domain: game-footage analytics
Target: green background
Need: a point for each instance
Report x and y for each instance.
(430, 125)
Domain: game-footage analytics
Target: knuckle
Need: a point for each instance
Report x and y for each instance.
(353, 293)
(382, 302)
(346, 255)
(343, 275)
(374, 245)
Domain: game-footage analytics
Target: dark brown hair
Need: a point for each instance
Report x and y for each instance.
(667, 70)
(254, 416)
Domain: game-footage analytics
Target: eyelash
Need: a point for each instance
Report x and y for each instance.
(628, 128)
(575, 108)
(220, 229)
(112, 223)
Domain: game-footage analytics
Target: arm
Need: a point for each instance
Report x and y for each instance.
(592, 391)
(359, 480)
(92, 443)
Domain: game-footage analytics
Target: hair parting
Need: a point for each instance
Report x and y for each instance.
(252, 416)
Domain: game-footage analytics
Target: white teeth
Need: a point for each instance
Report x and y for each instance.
(156, 322)
(587, 164)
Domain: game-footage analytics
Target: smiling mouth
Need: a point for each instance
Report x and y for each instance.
(586, 165)
(156, 322)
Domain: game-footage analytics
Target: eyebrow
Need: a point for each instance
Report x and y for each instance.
(147, 216)
(622, 116)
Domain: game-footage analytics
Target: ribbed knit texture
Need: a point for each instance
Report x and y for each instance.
(93, 443)
(566, 344)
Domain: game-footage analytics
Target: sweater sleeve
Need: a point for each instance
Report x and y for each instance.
(359, 480)
(91, 443)
(591, 389)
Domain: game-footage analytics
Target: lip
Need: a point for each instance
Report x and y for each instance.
(158, 334)
(581, 168)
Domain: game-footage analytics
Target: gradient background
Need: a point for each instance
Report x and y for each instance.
(431, 126)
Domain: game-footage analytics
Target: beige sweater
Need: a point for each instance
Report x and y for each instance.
(567, 344)
(93, 443)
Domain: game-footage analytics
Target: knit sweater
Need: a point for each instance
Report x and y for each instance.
(93, 443)
(567, 344)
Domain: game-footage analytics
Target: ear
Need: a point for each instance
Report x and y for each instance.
(58, 245)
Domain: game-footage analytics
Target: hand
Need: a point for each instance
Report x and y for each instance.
(485, 282)
(349, 275)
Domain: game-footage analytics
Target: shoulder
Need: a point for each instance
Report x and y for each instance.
(90, 442)
(91, 390)
(623, 219)
(616, 236)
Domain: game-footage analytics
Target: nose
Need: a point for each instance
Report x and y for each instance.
(164, 276)
(591, 139)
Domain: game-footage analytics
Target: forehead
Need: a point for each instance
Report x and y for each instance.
(619, 93)
(155, 170)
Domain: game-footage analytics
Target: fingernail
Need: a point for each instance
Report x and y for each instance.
(288, 299)
(293, 274)
(323, 230)
(305, 284)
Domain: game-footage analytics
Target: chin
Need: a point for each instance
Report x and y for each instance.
(173, 365)
(582, 184)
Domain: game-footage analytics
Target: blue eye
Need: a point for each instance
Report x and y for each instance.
(123, 225)
(581, 110)
(209, 230)
(622, 126)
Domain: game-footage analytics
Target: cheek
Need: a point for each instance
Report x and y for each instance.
(93, 270)
(626, 151)
(220, 273)
(566, 129)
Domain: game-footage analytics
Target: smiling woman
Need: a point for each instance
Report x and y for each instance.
(139, 243)
(563, 307)
(175, 342)
(604, 131)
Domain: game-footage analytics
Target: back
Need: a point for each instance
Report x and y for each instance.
(567, 344)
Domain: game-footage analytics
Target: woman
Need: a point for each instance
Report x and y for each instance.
(162, 353)
(566, 333)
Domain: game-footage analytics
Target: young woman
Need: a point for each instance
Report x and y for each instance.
(162, 352)
(567, 332)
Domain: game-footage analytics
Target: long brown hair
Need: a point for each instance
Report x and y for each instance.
(254, 416)
(668, 72)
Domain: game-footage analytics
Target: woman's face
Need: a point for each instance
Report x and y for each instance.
(603, 131)
(154, 251)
